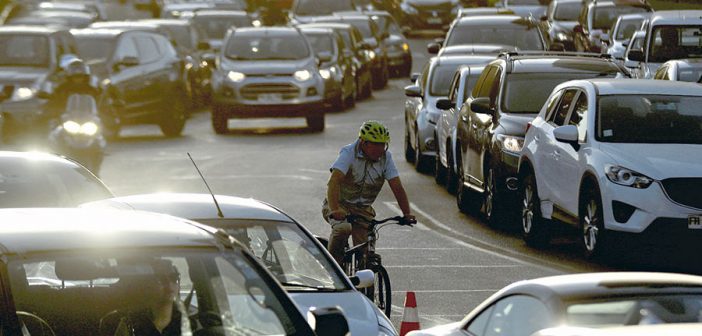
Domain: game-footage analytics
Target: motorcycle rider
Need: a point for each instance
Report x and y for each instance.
(77, 80)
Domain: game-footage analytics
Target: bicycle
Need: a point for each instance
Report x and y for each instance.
(355, 260)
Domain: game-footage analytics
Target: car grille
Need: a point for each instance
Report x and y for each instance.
(685, 191)
(285, 90)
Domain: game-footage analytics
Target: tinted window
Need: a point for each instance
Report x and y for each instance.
(578, 117)
(637, 310)
(523, 36)
(321, 43)
(563, 108)
(267, 47)
(551, 105)
(649, 119)
(441, 79)
(627, 28)
(486, 83)
(322, 7)
(604, 16)
(214, 27)
(126, 47)
(24, 50)
(567, 11)
(675, 42)
(471, 80)
(182, 36)
(148, 49)
(518, 316)
(527, 92)
(93, 48)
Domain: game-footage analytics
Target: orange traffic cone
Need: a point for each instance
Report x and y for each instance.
(410, 317)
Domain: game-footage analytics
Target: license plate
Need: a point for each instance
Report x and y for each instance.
(694, 222)
(434, 20)
(270, 97)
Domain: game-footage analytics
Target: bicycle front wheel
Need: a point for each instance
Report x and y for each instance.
(381, 292)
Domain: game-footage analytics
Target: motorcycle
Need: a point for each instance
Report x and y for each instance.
(78, 135)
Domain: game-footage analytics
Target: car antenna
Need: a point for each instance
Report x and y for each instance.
(219, 210)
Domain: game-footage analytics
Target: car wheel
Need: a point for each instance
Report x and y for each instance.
(451, 178)
(409, 151)
(491, 207)
(351, 99)
(421, 161)
(316, 123)
(338, 103)
(175, 122)
(368, 87)
(439, 169)
(534, 229)
(594, 237)
(219, 119)
(465, 198)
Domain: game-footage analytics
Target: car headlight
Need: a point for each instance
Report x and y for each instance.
(325, 73)
(408, 9)
(510, 143)
(627, 177)
(71, 127)
(23, 93)
(302, 75)
(88, 128)
(371, 54)
(405, 47)
(235, 76)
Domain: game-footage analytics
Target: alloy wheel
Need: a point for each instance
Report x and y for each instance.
(527, 209)
(590, 226)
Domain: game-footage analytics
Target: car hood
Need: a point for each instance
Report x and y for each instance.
(21, 75)
(515, 124)
(265, 67)
(657, 161)
(359, 313)
(444, 329)
(535, 11)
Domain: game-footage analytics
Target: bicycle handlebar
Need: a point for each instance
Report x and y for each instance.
(399, 220)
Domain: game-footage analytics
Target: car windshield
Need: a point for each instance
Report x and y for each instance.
(214, 27)
(321, 43)
(627, 28)
(267, 47)
(567, 11)
(649, 119)
(527, 92)
(94, 48)
(440, 79)
(287, 251)
(523, 36)
(675, 42)
(660, 308)
(24, 50)
(26, 183)
(322, 7)
(604, 16)
(209, 291)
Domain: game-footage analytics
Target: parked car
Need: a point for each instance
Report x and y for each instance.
(399, 53)
(463, 82)
(561, 16)
(596, 19)
(29, 63)
(213, 24)
(35, 179)
(583, 163)
(580, 300)
(428, 14)
(623, 29)
(522, 33)
(336, 67)
(421, 113)
(683, 29)
(80, 272)
(686, 70)
(141, 76)
(524, 8)
(356, 49)
(267, 72)
(304, 267)
(494, 119)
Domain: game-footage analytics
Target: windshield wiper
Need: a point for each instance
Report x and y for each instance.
(299, 285)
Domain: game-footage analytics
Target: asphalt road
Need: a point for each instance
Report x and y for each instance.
(452, 261)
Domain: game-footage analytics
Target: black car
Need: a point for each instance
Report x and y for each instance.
(374, 40)
(428, 14)
(336, 67)
(355, 49)
(29, 63)
(511, 30)
(399, 53)
(213, 24)
(493, 120)
(267, 72)
(596, 19)
(141, 78)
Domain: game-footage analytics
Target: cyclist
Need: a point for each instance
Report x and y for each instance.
(357, 176)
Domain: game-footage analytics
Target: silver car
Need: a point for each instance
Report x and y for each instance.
(621, 33)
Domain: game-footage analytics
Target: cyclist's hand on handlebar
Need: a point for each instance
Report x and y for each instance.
(408, 220)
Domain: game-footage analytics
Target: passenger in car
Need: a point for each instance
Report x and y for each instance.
(670, 48)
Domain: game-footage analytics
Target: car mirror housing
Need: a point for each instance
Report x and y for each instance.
(413, 91)
(482, 105)
(328, 321)
(635, 55)
(363, 279)
(444, 104)
(433, 48)
(414, 76)
(566, 133)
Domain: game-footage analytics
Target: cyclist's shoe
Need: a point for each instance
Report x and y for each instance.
(407, 221)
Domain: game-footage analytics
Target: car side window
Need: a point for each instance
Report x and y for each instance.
(126, 48)
(495, 86)
(566, 102)
(478, 324)
(662, 73)
(148, 49)
(453, 89)
(518, 315)
(423, 77)
(486, 83)
(578, 117)
(551, 105)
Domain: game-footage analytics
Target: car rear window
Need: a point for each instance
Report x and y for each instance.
(567, 11)
(94, 48)
(524, 37)
(267, 47)
(24, 50)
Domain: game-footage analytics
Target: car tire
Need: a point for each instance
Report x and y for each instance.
(466, 199)
(316, 123)
(421, 161)
(493, 211)
(338, 103)
(594, 238)
(173, 125)
(439, 169)
(534, 230)
(451, 176)
(409, 151)
(220, 119)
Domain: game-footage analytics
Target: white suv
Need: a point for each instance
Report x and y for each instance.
(614, 155)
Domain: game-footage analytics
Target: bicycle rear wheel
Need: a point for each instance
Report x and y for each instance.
(381, 292)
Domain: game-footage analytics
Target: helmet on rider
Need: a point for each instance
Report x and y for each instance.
(77, 70)
(374, 131)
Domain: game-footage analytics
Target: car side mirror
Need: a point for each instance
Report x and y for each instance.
(433, 48)
(482, 105)
(578, 29)
(413, 77)
(363, 279)
(328, 321)
(203, 45)
(635, 55)
(443, 104)
(413, 91)
(566, 133)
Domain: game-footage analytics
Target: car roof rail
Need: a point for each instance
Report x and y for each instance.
(510, 54)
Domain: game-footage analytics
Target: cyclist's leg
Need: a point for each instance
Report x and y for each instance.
(359, 231)
(339, 237)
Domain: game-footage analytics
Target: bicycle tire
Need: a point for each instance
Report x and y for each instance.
(381, 291)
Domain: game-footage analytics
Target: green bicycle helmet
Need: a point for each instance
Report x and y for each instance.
(374, 131)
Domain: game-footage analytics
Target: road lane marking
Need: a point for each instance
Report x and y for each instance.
(393, 207)
(453, 266)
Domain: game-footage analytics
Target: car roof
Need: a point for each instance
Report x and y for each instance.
(477, 48)
(111, 32)
(317, 30)
(195, 206)
(332, 25)
(30, 29)
(266, 30)
(676, 17)
(491, 20)
(543, 62)
(634, 16)
(38, 157)
(645, 86)
(461, 59)
(219, 12)
(31, 230)
(167, 22)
